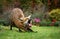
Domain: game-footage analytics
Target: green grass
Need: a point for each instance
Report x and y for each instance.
(42, 33)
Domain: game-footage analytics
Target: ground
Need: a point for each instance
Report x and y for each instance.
(42, 33)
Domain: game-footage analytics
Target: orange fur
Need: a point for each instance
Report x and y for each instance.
(16, 14)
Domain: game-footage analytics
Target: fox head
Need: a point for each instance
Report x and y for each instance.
(26, 19)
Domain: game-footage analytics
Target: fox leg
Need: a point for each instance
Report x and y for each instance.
(30, 30)
(25, 29)
(11, 27)
(20, 30)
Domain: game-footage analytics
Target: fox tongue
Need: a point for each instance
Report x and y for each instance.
(30, 24)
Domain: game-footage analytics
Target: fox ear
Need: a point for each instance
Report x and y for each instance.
(29, 16)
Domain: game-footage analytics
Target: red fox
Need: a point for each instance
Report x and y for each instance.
(19, 20)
